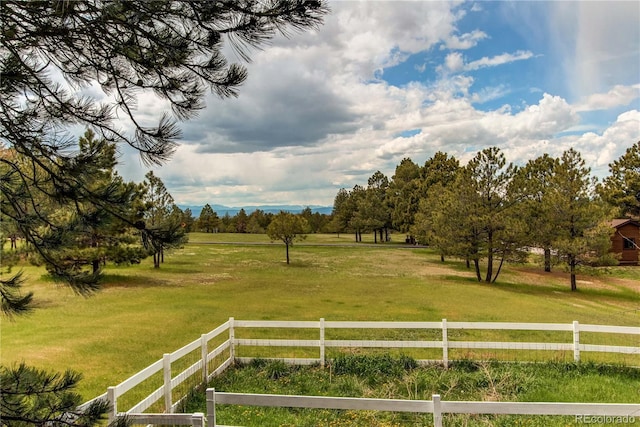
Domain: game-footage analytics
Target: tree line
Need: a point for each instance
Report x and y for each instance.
(489, 211)
(256, 222)
(75, 240)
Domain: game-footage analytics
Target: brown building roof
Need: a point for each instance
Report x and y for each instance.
(621, 222)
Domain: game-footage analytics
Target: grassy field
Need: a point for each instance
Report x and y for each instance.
(142, 313)
(385, 377)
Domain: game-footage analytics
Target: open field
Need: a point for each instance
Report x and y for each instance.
(142, 313)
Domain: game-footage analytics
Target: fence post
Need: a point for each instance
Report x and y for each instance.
(232, 340)
(204, 354)
(322, 342)
(576, 341)
(113, 401)
(445, 344)
(197, 420)
(166, 366)
(437, 411)
(211, 407)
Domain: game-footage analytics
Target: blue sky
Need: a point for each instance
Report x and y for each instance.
(385, 80)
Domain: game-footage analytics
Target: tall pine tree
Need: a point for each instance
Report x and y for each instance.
(579, 218)
(163, 218)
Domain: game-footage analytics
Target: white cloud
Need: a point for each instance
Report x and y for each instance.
(465, 41)
(490, 93)
(502, 59)
(601, 149)
(455, 62)
(619, 95)
(313, 118)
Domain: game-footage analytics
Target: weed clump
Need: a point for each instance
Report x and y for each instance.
(372, 365)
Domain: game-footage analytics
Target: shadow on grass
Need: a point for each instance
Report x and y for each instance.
(544, 285)
(297, 264)
(619, 294)
(126, 281)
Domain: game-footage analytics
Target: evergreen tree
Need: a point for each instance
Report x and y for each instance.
(534, 183)
(339, 214)
(188, 220)
(493, 227)
(240, 221)
(93, 235)
(441, 168)
(442, 221)
(452, 224)
(430, 226)
(356, 220)
(163, 218)
(34, 397)
(622, 188)
(208, 220)
(227, 223)
(579, 219)
(403, 195)
(259, 220)
(372, 209)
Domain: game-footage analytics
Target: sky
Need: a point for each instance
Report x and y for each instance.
(381, 81)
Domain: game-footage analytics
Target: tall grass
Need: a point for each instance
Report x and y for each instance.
(143, 312)
(388, 377)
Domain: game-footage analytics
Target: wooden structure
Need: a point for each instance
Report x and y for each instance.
(214, 352)
(625, 240)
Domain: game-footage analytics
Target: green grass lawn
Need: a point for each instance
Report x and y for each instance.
(142, 312)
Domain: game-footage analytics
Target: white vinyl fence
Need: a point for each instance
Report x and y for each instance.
(614, 411)
(199, 361)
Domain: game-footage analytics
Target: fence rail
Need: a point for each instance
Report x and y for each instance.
(435, 406)
(225, 347)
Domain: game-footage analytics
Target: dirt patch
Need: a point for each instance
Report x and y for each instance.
(539, 277)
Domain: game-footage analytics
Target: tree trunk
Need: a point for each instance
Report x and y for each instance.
(441, 257)
(489, 275)
(162, 256)
(95, 264)
(468, 262)
(572, 265)
(476, 263)
(375, 236)
(547, 260)
(498, 272)
(287, 246)
(156, 260)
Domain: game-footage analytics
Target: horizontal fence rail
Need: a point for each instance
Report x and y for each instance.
(217, 350)
(445, 343)
(195, 420)
(436, 406)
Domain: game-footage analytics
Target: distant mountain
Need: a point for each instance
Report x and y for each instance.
(233, 211)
